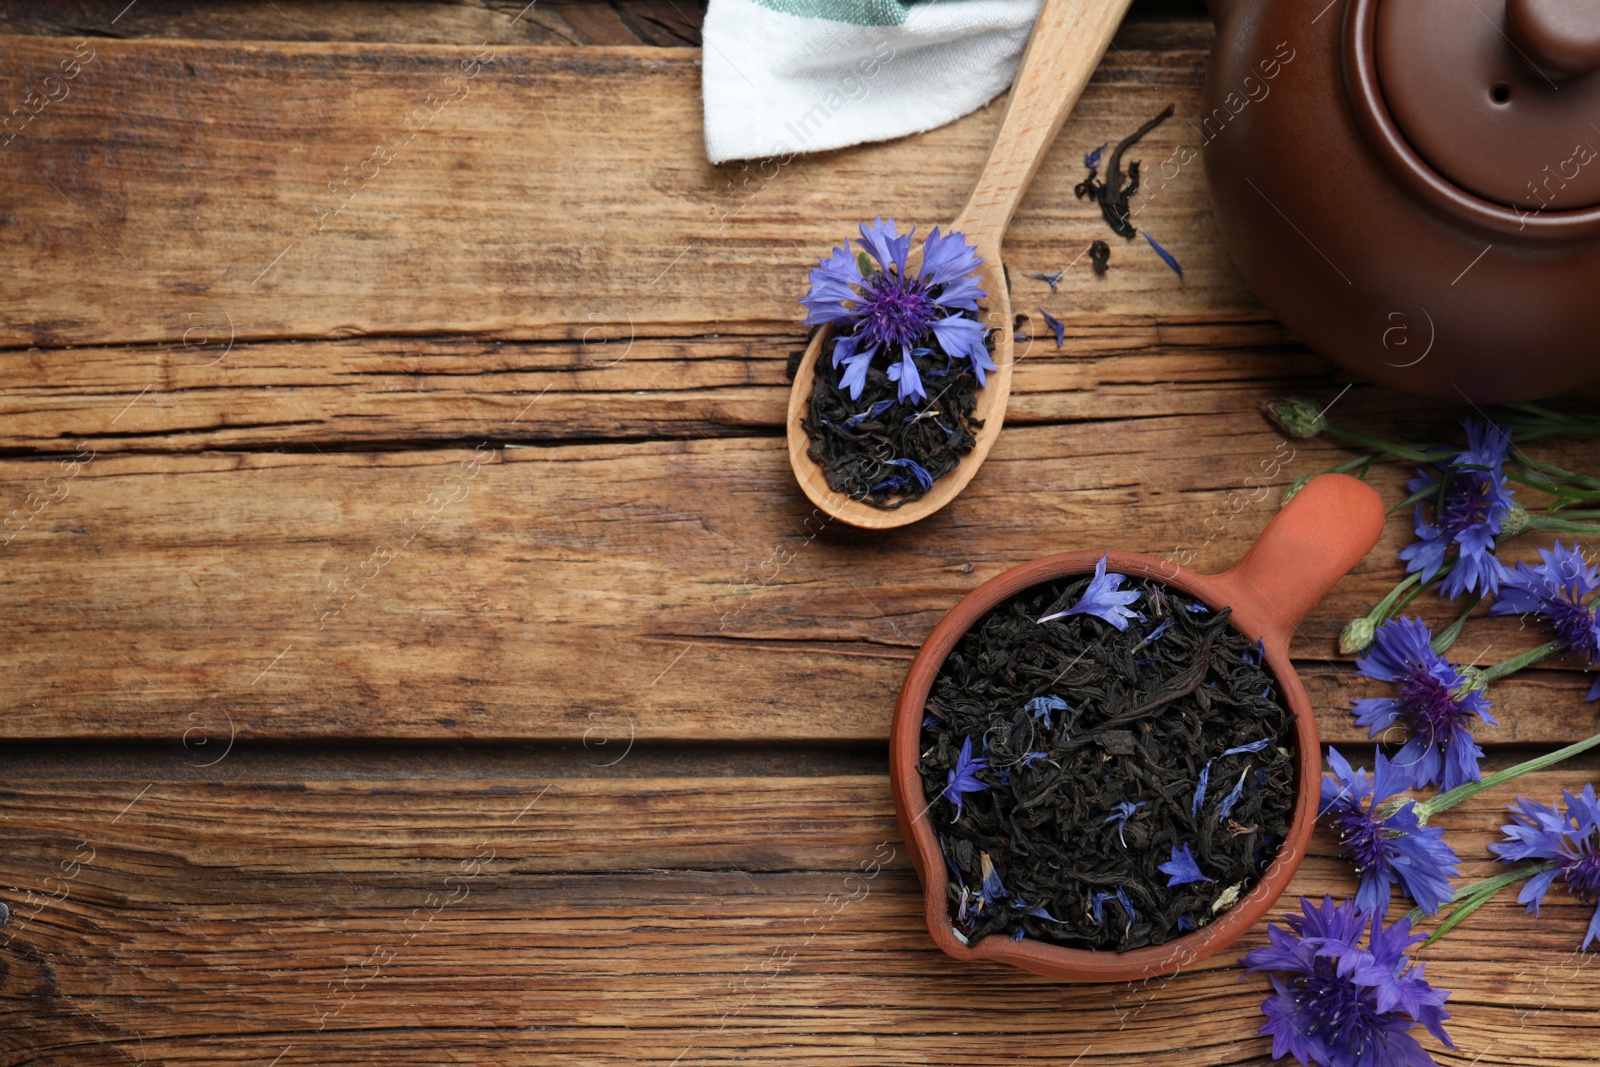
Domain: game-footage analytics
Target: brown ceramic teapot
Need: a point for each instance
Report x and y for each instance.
(1413, 186)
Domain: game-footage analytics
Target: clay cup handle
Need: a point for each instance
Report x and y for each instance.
(1308, 546)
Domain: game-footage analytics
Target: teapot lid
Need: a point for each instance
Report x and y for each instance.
(1500, 97)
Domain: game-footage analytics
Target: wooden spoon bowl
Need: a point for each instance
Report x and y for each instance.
(1068, 40)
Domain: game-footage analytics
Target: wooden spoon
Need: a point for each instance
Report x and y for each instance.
(1068, 40)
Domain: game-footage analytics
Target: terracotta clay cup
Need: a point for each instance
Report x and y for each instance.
(1308, 546)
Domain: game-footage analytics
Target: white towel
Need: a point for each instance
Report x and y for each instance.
(789, 76)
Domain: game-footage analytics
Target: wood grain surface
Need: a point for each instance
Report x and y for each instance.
(689, 920)
(415, 647)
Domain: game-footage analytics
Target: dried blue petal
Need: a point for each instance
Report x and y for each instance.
(924, 479)
(1120, 815)
(994, 891)
(1041, 707)
(1166, 257)
(1091, 159)
(871, 413)
(1052, 279)
(1197, 608)
(1098, 901)
(1254, 746)
(1226, 807)
(1056, 326)
(1200, 790)
(963, 777)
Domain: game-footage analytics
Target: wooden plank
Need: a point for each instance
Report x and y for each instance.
(552, 22)
(163, 204)
(454, 593)
(609, 922)
(609, 385)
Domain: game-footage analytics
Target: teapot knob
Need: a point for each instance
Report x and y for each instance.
(1560, 37)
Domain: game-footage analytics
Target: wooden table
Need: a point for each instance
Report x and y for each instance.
(428, 657)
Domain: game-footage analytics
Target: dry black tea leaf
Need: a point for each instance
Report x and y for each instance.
(1099, 787)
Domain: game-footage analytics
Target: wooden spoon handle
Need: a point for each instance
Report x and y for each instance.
(1068, 40)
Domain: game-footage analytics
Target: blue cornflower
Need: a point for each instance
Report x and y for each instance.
(1557, 590)
(1395, 847)
(1570, 840)
(1435, 703)
(1158, 631)
(1253, 746)
(1041, 707)
(1102, 599)
(1091, 159)
(1120, 815)
(1050, 279)
(891, 309)
(1057, 327)
(1336, 1004)
(1097, 903)
(1182, 868)
(1470, 498)
(963, 777)
(1194, 607)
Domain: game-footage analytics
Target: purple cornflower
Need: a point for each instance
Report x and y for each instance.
(963, 777)
(1102, 599)
(1556, 591)
(891, 308)
(1435, 703)
(1336, 1004)
(1182, 868)
(1571, 841)
(1388, 849)
(1471, 500)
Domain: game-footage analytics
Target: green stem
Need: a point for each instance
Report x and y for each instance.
(1470, 898)
(1377, 444)
(1350, 465)
(1426, 809)
(1380, 611)
(1448, 636)
(1562, 525)
(1516, 663)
